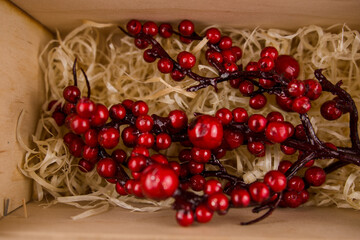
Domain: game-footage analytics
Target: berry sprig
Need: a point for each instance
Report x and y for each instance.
(199, 190)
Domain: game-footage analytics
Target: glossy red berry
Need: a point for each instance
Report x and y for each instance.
(252, 66)
(212, 186)
(117, 112)
(129, 137)
(237, 51)
(68, 137)
(313, 89)
(100, 116)
(287, 66)
(224, 115)
(197, 182)
(284, 102)
(175, 166)
(177, 75)
(275, 180)
(233, 139)
(304, 195)
(85, 166)
(85, 108)
(163, 141)
(229, 56)
(159, 158)
(256, 148)
(296, 183)
(277, 132)
(178, 119)
(184, 217)
(158, 182)
(185, 155)
(296, 88)
(205, 132)
(119, 156)
(79, 125)
(213, 35)
(300, 132)
(275, 117)
(240, 115)
(144, 123)
(141, 43)
(301, 105)
(138, 150)
(240, 198)
(59, 118)
(146, 140)
(165, 65)
(330, 111)
(214, 57)
(230, 67)
(258, 101)
(203, 214)
(315, 176)
(76, 147)
(149, 56)
(292, 199)
(287, 150)
(106, 167)
(137, 163)
(150, 28)
(108, 137)
(218, 202)
(266, 83)
(139, 108)
(257, 123)
(165, 30)
(133, 27)
(266, 64)
(259, 192)
(69, 108)
(284, 166)
(195, 167)
(186, 27)
(200, 155)
(270, 52)
(186, 60)
(120, 189)
(72, 94)
(225, 43)
(90, 153)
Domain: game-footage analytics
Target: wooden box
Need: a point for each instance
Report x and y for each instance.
(27, 25)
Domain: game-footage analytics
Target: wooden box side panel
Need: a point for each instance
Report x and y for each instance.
(21, 89)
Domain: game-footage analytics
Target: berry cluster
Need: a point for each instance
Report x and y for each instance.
(198, 190)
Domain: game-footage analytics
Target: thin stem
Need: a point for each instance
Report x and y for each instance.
(87, 83)
(74, 72)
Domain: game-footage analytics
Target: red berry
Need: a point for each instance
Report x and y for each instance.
(68, 137)
(266, 83)
(287, 66)
(225, 43)
(240, 115)
(257, 123)
(229, 56)
(224, 115)
(284, 166)
(136, 189)
(304, 195)
(292, 199)
(76, 147)
(186, 60)
(139, 108)
(106, 168)
(159, 158)
(137, 163)
(149, 56)
(313, 88)
(117, 112)
(85, 166)
(296, 183)
(315, 176)
(90, 153)
(108, 137)
(237, 51)
(240, 198)
(129, 137)
(133, 27)
(258, 101)
(185, 40)
(203, 214)
(233, 139)
(195, 167)
(330, 111)
(150, 28)
(300, 132)
(127, 104)
(185, 155)
(219, 152)
(158, 182)
(284, 102)
(119, 156)
(175, 166)
(146, 140)
(213, 35)
(309, 163)
(197, 182)
(100, 116)
(79, 125)
(218, 202)
(301, 105)
(256, 148)
(138, 150)
(71, 94)
(144, 123)
(277, 132)
(214, 56)
(85, 108)
(259, 192)
(184, 217)
(275, 117)
(163, 141)
(141, 43)
(275, 180)
(212, 186)
(287, 150)
(269, 52)
(205, 132)
(69, 108)
(200, 155)
(266, 64)
(165, 30)
(246, 87)
(252, 66)
(59, 118)
(54, 105)
(120, 189)
(178, 119)
(165, 65)
(177, 75)
(186, 27)
(230, 67)
(296, 88)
